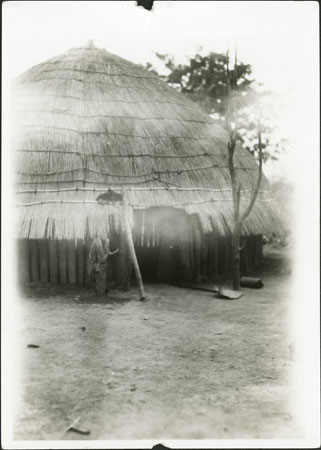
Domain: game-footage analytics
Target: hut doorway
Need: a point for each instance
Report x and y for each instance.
(160, 263)
(163, 241)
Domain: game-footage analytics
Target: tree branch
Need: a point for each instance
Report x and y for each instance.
(236, 189)
(259, 178)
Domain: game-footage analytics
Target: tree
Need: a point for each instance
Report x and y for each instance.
(204, 80)
(232, 126)
(232, 97)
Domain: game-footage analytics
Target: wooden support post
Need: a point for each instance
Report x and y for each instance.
(228, 249)
(223, 257)
(34, 260)
(80, 263)
(185, 243)
(62, 259)
(251, 253)
(204, 254)
(244, 254)
(44, 260)
(211, 255)
(255, 263)
(88, 279)
(128, 274)
(23, 261)
(131, 247)
(53, 261)
(197, 240)
(260, 249)
(124, 263)
(71, 262)
(215, 256)
(163, 257)
(220, 256)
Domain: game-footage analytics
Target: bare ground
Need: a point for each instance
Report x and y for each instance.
(182, 365)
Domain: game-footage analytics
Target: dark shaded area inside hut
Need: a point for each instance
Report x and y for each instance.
(170, 248)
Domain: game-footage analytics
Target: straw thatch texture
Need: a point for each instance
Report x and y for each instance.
(88, 121)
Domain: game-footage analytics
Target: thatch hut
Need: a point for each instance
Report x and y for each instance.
(88, 121)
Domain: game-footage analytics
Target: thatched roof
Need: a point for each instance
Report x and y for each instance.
(89, 120)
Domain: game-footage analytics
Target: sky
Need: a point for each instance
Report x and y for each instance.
(279, 40)
(272, 45)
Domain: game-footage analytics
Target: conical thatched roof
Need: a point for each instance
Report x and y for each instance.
(89, 120)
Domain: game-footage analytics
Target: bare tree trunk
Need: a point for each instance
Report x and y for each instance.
(236, 255)
(235, 183)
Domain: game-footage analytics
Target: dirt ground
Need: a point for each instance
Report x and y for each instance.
(182, 365)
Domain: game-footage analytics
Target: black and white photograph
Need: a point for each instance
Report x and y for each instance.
(160, 224)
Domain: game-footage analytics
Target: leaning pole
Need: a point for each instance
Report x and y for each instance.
(130, 244)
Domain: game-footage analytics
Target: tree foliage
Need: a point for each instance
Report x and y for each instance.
(204, 80)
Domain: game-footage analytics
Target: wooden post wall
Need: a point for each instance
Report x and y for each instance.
(53, 261)
(205, 256)
(44, 260)
(197, 245)
(121, 262)
(71, 262)
(34, 260)
(185, 242)
(62, 261)
(244, 254)
(260, 238)
(80, 256)
(88, 279)
(23, 260)
(213, 256)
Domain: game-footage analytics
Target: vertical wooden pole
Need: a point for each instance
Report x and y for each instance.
(23, 261)
(254, 252)
(251, 253)
(62, 259)
(215, 255)
(44, 260)
(124, 264)
(131, 247)
(211, 255)
(228, 255)
(34, 259)
(163, 255)
(88, 279)
(197, 238)
(186, 252)
(53, 261)
(205, 255)
(185, 240)
(80, 263)
(220, 256)
(242, 256)
(71, 262)
(128, 273)
(260, 239)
